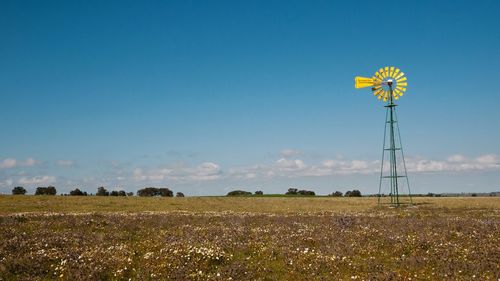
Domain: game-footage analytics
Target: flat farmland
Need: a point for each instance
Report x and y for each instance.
(247, 238)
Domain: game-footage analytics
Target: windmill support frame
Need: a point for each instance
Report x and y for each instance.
(393, 177)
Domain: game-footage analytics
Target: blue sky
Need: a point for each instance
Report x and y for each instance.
(209, 96)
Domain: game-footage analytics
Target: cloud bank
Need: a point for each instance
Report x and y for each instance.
(289, 164)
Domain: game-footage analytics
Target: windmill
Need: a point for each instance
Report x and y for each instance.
(389, 84)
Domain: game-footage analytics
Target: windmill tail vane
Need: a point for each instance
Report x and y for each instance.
(363, 82)
(388, 84)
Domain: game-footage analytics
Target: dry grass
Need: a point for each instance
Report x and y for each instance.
(213, 238)
(65, 204)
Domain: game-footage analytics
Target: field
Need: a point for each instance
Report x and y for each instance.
(247, 238)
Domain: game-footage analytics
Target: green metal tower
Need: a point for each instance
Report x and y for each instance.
(388, 84)
(395, 145)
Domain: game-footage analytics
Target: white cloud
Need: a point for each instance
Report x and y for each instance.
(40, 180)
(287, 153)
(204, 172)
(65, 163)
(454, 163)
(7, 182)
(251, 172)
(488, 159)
(9, 163)
(29, 162)
(331, 167)
(284, 164)
(457, 158)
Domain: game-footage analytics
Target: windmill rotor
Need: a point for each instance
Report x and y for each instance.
(385, 81)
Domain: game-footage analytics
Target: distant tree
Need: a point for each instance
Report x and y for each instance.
(40, 190)
(18, 190)
(122, 193)
(353, 193)
(259, 192)
(148, 192)
(474, 195)
(77, 192)
(113, 193)
(295, 191)
(179, 194)
(336, 194)
(165, 192)
(306, 192)
(130, 194)
(101, 191)
(238, 193)
(50, 190)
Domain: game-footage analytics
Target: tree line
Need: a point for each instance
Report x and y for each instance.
(101, 191)
(298, 192)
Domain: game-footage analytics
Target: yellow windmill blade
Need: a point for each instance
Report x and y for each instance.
(381, 94)
(391, 71)
(398, 92)
(363, 82)
(382, 73)
(401, 88)
(396, 71)
(386, 71)
(401, 74)
(394, 94)
(376, 80)
(402, 79)
(377, 92)
(405, 84)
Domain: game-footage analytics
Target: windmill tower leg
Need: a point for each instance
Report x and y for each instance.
(403, 157)
(392, 152)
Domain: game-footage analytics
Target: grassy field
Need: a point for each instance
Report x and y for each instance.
(77, 204)
(247, 238)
